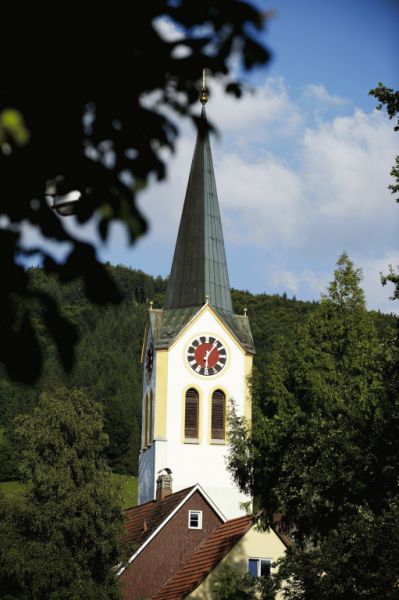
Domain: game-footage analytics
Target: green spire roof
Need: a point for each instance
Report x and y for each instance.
(199, 268)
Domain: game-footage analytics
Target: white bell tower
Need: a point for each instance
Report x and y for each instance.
(197, 353)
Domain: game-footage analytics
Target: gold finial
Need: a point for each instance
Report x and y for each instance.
(151, 304)
(245, 312)
(204, 91)
(206, 299)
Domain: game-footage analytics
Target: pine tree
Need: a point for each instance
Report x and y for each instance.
(60, 542)
(322, 451)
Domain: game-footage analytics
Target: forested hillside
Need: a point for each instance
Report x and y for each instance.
(108, 356)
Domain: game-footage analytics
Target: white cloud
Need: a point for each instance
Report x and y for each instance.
(260, 199)
(294, 193)
(318, 91)
(294, 201)
(256, 114)
(346, 164)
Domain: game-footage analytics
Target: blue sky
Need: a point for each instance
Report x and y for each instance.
(302, 166)
(348, 45)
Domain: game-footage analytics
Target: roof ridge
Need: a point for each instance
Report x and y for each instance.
(156, 502)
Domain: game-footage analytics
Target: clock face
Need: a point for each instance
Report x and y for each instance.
(206, 355)
(149, 362)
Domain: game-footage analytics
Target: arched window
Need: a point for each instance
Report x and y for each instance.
(218, 415)
(191, 414)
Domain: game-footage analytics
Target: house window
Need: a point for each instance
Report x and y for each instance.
(191, 415)
(259, 567)
(195, 519)
(218, 418)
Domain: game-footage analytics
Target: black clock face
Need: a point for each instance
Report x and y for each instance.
(206, 355)
(149, 362)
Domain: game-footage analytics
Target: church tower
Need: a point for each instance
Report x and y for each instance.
(197, 353)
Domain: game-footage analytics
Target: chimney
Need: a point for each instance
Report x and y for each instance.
(164, 484)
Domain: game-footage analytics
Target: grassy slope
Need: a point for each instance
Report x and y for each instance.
(129, 489)
(10, 489)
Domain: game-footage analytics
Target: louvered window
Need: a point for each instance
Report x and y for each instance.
(218, 415)
(191, 414)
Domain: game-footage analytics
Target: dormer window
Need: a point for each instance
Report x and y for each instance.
(195, 519)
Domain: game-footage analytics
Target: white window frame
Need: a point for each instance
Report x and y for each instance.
(190, 514)
(258, 560)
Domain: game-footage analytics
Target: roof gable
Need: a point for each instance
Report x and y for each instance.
(169, 324)
(143, 522)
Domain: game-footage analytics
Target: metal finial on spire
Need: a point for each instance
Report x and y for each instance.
(204, 91)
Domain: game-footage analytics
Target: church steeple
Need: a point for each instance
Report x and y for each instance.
(197, 353)
(199, 269)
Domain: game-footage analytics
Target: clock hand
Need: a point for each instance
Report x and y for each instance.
(210, 351)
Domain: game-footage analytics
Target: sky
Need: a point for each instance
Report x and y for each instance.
(302, 164)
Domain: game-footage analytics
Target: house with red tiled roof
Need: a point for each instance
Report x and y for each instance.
(181, 541)
(164, 533)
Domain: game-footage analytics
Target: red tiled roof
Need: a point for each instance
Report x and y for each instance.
(141, 521)
(204, 559)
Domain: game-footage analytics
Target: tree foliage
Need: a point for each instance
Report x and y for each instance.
(231, 584)
(323, 451)
(389, 99)
(358, 559)
(82, 108)
(108, 355)
(60, 540)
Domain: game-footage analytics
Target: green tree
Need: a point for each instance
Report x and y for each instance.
(230, 584)
(358, 559)
(389, 99)
(108, 355)
(322, 449)
(60, 541)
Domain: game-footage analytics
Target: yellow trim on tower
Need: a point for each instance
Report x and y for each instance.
(247, 390)
(161, 390)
